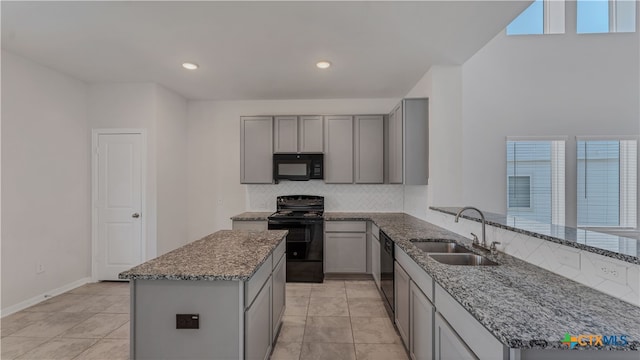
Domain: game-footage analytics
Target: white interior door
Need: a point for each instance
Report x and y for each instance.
(119, 204)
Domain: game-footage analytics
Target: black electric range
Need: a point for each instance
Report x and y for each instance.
(302, 215)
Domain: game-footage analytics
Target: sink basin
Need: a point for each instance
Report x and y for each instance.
(440, 247)
(463, 259)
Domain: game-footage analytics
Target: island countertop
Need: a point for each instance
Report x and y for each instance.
(223, 255)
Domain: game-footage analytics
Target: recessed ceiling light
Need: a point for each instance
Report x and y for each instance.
(190, 66)
(323, 64)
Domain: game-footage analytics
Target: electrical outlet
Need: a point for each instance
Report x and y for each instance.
(611, 271)
(39, 268)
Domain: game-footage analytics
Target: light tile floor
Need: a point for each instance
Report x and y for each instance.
(334, 320)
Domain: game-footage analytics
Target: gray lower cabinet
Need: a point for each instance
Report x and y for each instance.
(258, 338)
(421, 324)
(401, 299)
(375, 259)
(338, 150)
(249, 225)
(345, 253)
(279, 295)
(448, 346)
(256, 150)
(369, 149)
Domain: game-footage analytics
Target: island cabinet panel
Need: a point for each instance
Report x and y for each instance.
(375, 258)
(258, 329)
(448, 343)
(279, 295)
(154, 334)
(253, 286)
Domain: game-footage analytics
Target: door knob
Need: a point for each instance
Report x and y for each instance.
(135, 215)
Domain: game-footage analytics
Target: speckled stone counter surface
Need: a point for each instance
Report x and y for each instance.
(224, 255)
(252, 216)
(522, 305)
(627, 249)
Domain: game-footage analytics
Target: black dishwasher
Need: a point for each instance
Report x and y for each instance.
(386, 271)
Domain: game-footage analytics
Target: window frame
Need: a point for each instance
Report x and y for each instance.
(633, 225)
(553, 18)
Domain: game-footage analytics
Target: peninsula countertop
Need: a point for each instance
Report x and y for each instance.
(224, 255)
(522, 305)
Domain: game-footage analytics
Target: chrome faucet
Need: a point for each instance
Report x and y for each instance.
(476, 243)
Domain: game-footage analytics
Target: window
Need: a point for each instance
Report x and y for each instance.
(519, 193)
(541, 17)
(604, 16)
(535, 179)
(607, 182)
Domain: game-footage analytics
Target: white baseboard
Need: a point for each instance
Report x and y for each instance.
(44, 296)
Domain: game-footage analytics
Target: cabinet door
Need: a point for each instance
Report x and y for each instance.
(395, 145)
(345, 253)
(279, 278)
(338, 159)
(421, 325)
(401, 283)
(311, 134)
(285, 134)
(375, 259)
(448, 344)
(257, 345)
(256, 150)
(369, 149)
(249, 225)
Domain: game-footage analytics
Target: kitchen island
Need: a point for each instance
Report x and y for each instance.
(220, 297)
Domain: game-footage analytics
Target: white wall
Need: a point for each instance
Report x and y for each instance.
(215, 192)
(565, 84)
(172, 170)
(163, 114)
(131, 106)
(443, 86)
(45, 181)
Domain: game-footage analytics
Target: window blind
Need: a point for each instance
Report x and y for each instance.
(535, 180)
(607, 183)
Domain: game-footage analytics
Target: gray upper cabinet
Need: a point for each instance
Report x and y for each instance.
(256, 149)
(409, 142)
(338, 150)
(369, 149)
(311, 134)
(298, 134)
(285, 134)
(395, 145)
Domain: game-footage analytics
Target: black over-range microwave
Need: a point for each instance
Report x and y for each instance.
(297, 167)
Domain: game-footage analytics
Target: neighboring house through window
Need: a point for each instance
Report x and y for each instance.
(535, 179)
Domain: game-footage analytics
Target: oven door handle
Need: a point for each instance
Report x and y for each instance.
(294, 222)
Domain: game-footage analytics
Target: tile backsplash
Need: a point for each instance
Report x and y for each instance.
(338, 197)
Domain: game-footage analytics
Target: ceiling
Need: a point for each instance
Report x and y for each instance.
(255, 50)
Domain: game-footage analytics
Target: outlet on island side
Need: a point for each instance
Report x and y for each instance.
(39, 268)
(187, 321)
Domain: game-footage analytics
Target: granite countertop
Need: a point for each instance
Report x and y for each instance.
(224, 255)
(522, 305)
(613, 246)
(252, 216)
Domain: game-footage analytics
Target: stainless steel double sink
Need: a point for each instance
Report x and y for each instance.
(448, 252)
